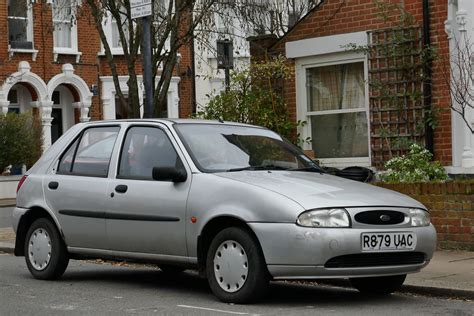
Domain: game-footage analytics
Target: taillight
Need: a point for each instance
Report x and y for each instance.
(22, 180)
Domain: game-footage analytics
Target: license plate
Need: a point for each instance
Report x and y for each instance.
(388, 241)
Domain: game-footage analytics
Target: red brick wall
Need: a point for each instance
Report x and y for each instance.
(451, 208)
(90, 67)
(346, 16)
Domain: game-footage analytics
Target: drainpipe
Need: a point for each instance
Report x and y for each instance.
(427, 88)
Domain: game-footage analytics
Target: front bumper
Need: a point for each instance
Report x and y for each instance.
(295, 252)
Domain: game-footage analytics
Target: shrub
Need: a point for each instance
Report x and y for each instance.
(253, 98)
(416, 166)
(20, 139)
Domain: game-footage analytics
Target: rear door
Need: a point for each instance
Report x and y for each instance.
(77, 191)
(147, 216)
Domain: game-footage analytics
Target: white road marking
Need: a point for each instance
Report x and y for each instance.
(212, 309)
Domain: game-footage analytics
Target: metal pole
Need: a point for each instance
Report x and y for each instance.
(147, 74)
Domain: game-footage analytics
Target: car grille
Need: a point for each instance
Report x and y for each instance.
(375, 259)
(380, 217)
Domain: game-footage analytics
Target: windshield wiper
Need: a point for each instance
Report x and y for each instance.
(267, 167)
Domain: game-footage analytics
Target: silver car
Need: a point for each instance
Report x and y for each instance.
(237, 202)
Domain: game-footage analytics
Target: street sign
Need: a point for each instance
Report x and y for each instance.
(140, 8)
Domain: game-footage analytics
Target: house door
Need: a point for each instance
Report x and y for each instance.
(63, 112)
(56, 124)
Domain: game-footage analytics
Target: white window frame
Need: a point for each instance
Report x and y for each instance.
(107, 25)
(29, 32)
(302, 65)
(73, 50)
(321, 51)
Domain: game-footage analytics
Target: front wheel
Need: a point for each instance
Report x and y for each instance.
(235, 267)
(379, 285)
(45, 252)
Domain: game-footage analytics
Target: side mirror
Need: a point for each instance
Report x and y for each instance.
(169, 174)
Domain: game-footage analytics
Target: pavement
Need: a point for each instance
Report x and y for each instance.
(449, 274)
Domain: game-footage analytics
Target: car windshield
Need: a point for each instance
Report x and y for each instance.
(219, 148)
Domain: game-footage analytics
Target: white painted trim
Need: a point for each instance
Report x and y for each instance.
(68, 77)
(12, 51)
(108, 95)
(459, 170)
(66, 51)
(24, 74)
(324, 45)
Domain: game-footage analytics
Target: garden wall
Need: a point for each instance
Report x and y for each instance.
(451, 207)
(8, 186)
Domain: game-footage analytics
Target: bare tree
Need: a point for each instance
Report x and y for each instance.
(460, 78)
(173, 25)
(271, 16)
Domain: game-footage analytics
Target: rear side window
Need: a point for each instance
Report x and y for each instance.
(90, 154)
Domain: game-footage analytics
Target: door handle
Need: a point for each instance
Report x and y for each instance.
(53, 185)
(121, 188)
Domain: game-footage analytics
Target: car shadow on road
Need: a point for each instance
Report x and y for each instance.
(280, 293)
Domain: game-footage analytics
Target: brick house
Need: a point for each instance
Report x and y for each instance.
(57, 68)
(339, 90)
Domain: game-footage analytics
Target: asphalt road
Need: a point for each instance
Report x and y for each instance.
(6, 216)
(92, 288)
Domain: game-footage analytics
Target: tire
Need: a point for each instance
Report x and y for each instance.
(379, 285)
(170, 269)
(235, 267)
(44, 235)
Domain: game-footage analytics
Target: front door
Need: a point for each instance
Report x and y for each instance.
(77, 192)
(147, 216)
(56, 124)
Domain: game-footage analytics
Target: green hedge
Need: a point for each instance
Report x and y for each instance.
(20, 140)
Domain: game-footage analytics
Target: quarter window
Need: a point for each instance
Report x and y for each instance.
(145, 148)
(90, 155)
(336, 109)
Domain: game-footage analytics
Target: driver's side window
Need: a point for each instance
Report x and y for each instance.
(145, 148)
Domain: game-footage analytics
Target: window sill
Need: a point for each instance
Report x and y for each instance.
(114, 51)
(33, 52)
(59, 51)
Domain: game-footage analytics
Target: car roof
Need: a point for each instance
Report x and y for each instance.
(171, 121)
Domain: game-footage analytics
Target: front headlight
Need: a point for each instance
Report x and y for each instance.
(419, 218)
(333, 217)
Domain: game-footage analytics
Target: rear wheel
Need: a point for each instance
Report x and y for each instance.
(379, 285)
(45, 252)
(235, 267)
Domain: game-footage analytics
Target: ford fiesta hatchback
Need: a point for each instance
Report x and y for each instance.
(236, 201)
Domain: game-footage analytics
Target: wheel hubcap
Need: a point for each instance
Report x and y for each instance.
(39, 249)
(230, 266)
